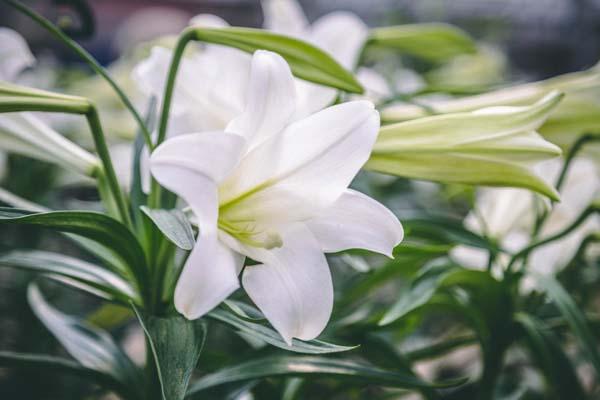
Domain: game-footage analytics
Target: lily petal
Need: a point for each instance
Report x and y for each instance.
(293, 287)
(192, 165)
(270, 101)
(356, 221)
(208, 277)
(284, 16)
(14, 54)
(324, 151)
(341, 34)
(198, 77)
(312, 98)
(208, 21)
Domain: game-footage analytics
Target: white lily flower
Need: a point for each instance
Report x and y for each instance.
(15, 55)
(508, 216)
(276, 191)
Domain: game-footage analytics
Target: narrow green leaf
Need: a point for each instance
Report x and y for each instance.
(44, 364)
(90, 346)
(57, 264)
(176, 347)
(431, 41)
(92, 225)
(558, 370)
(306, 366)
(306, 61)
(444, 229)
(408, 258)
(174, 225)
(137, 196)
(574, 317)
(422, 288)
(270, 336)
(244, 310)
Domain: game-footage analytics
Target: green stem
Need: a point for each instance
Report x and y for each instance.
(106, 194)
(186, 36)
(111, 177)
(88, 58)
(525, 251)
(491, 371)
(84, 107)
(575, 148)
(19, 104)
(570, 156)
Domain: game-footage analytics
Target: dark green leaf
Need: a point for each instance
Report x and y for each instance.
(44, 364)
(270, 336)
(90, 346)
(445, 230)
(433, 41)
(422, 288)
(305, 366)
(574, 317)
(306, 61)
(550, 358)
(174, 225)
(100, 228)
(176, 346)
(408, 258)
(89, 274)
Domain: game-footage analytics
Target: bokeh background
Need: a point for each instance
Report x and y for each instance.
(540, 38)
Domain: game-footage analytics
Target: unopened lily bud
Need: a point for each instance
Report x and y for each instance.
(26, 134)
(493, 146)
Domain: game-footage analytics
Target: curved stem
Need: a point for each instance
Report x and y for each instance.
(575, 148)
(570, 156)
(525, 251)
(84, 107)
(186, 36)
(109, 171)
(87, 57)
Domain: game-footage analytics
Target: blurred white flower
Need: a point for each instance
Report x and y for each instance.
(26, 134)
(216, 77)
(15, 55)
(276, 191)
(508, 216)
(341, 34)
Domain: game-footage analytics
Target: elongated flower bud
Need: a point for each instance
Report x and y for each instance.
(572, 85)
(26, 134)
(492, 146)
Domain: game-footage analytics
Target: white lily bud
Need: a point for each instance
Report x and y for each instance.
(572, 85)
(25, 134)
(492, 146)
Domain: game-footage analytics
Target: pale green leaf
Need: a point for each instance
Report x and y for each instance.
(306, 61)
(431, 41)
(174, 225)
